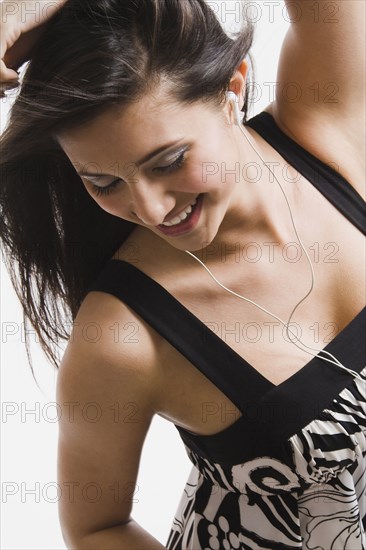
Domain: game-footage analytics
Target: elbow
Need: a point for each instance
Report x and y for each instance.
(112, 537)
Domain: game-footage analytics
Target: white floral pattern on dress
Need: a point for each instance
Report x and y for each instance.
(315, 502)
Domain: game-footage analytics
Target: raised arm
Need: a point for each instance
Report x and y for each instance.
(320, 84)
(106, 393)
(323, 54)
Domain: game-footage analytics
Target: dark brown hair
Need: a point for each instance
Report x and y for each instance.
(94, 54)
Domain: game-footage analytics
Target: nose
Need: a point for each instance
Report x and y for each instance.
(150, 202)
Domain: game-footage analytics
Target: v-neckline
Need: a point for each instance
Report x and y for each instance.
(238, 368)
(240, 361)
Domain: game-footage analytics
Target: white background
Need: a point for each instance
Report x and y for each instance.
(29, 428)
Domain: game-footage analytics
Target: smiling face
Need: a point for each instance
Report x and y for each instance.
(150, 160)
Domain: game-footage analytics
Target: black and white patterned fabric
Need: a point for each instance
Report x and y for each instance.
(315, 499)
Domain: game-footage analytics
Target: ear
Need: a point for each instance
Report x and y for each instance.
(238, 81)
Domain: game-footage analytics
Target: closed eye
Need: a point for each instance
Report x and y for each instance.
(97, 190)
(176, 164)
(179, 161)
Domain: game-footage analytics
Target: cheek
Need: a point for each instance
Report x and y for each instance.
(213, 174)
(204, 176)
(108, 206)
(197, 182)
(214, 164)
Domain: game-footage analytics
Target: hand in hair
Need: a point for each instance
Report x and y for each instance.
(21, 25)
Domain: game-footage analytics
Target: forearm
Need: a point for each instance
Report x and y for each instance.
(130, 536)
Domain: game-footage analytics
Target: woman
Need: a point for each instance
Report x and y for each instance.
(127, 165)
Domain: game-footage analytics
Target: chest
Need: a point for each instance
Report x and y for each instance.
(274, 291)
(276, 277)
(191, 400)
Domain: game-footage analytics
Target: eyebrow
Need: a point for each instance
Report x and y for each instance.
(139, 163)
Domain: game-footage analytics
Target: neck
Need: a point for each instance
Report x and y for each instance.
(257, 211)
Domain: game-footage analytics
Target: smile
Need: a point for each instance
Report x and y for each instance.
(185, 221)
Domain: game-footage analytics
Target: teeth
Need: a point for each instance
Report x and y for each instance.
(178, 219)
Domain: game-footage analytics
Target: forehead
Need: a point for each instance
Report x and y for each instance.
(136, 126)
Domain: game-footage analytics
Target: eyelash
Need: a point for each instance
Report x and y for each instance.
(162, 169)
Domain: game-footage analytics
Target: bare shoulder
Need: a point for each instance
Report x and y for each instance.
(118, 329)
(109, 332)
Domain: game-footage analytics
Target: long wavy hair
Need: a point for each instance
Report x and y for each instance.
(94, 54)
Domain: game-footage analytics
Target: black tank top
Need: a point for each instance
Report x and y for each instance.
(238, 380)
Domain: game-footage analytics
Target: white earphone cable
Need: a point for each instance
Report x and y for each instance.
(336, 361)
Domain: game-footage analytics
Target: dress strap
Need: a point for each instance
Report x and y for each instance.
(181, 328)
(326, 179)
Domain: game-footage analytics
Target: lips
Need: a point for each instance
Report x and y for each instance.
(188, 224)
(180, 211)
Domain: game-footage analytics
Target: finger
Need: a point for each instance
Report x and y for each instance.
(7, 74)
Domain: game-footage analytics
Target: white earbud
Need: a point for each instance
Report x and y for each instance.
(234, 100)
